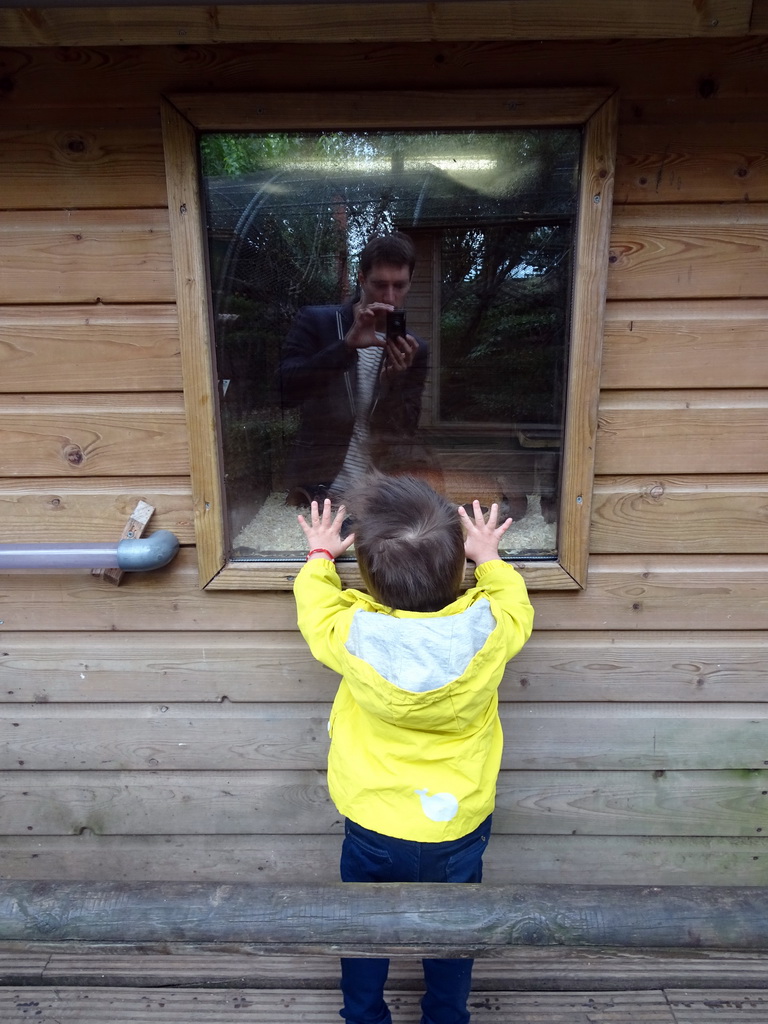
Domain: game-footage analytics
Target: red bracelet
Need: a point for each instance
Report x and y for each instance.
(320, 551)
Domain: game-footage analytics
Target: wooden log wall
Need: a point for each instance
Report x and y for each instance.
(154, 731)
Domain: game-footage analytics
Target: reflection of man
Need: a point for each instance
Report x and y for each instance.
(358, 390)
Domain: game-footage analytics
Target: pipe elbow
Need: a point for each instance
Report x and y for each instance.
(144, 553)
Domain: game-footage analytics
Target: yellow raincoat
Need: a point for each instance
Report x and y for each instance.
(415, 733)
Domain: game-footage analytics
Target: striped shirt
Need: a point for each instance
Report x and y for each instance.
(357, 460)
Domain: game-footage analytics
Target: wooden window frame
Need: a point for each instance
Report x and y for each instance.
(185, 115)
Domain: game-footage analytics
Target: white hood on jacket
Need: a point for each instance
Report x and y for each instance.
(420, 654)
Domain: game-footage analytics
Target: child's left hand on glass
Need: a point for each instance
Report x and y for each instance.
(323, 531)
(482, 538)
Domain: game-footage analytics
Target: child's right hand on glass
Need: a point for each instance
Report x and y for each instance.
(482, 538)
(323, 531)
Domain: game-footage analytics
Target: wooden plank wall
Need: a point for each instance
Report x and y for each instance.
(156, 731)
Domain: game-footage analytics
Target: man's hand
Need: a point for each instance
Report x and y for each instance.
(482, 540)
(324, 531)
(362, 333)
(398, 355)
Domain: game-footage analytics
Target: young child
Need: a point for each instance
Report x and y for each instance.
(415, 733)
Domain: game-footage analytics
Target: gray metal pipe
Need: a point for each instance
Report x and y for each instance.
(145, 553)
(423, 919)
(137, 555)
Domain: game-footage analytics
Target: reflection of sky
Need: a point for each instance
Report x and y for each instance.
(379, 165)
(407, 197)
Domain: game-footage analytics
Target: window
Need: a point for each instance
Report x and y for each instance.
(506, 201)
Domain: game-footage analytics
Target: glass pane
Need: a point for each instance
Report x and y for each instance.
(471, 396)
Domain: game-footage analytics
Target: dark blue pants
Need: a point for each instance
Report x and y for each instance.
(371, 857)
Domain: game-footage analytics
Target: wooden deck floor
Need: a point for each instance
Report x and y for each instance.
(536, 986)
(285, 1006)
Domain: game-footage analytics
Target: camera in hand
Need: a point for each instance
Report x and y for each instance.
(396, 324)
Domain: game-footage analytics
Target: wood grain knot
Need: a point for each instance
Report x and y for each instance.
(74, 455)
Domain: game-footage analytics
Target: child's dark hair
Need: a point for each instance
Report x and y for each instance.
(409, 542)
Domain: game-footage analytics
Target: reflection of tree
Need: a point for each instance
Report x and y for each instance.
(503, 323)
